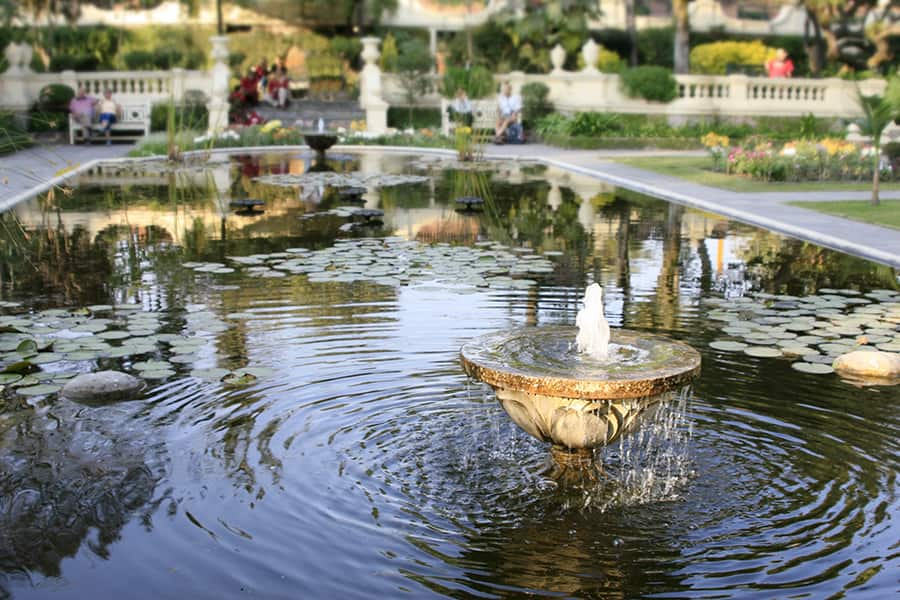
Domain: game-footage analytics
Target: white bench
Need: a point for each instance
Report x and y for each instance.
(484, 112)
(133, 124)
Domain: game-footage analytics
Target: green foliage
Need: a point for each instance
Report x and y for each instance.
(422, 117)
(73, 62)
(389, 54)
(593, 124)
(535, 104)
(185, 116)
(476, 81)
(413, 65)
(43, 121)
(715, 57)
(12, 136)
(347, 48)
(655, 46)
(55, 97)
(651, 83)
(609, 62)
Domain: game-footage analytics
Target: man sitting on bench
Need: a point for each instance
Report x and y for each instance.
(510, 109)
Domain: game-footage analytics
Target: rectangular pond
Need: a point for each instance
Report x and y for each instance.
(306, 430)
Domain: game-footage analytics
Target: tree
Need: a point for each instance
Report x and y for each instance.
(682, 36)
(631, 28)
(878, 113)
(856, 33)
(413, 66)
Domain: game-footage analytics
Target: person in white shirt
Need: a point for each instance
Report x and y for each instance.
(109, 113)
(510, 107)
(461, 109)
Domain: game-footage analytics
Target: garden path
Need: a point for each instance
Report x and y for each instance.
(769, 210)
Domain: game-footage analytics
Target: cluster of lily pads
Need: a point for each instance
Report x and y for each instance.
(40, 351)
(811, 330)
(397, 261)
(332, 179)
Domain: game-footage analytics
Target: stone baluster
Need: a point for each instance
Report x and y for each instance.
(177, 88)
(370, 98)
(218, 102)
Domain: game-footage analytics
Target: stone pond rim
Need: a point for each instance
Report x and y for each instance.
(673, 365)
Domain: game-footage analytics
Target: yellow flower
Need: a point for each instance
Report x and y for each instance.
(714, 140)
(270, 126)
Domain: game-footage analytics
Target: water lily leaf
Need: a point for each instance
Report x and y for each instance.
(762, 352)
(210, 374)
(157, 373)
(238, 380)
(21, 367)
(7, 378)
(39, 390)
(114, 335)
(46, 357)
(151, 365)
(727, 346)
(814, 368)
(259, 372)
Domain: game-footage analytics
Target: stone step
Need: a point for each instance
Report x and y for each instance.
(306, 113)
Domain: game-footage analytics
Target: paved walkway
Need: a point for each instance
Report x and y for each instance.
(769, 210)
(37, 169)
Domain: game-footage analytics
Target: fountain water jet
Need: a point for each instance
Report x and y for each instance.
(579, 389)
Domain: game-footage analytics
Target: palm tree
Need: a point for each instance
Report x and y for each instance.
(682, 35)
(878, 113)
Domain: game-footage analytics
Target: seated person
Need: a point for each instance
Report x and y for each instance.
(109, 113)
(279, 89)
(460, 110)
(248, 94)
(508, 126)
(82, 108)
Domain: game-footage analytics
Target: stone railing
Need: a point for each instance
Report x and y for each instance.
(20, 86)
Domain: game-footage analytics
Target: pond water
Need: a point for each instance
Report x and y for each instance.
(353, 459)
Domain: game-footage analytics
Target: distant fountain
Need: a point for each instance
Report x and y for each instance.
(579, 389)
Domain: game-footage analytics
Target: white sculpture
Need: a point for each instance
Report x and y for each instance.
(593, 329)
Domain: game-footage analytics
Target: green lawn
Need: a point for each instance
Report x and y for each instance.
(698, 169)
(887, 213)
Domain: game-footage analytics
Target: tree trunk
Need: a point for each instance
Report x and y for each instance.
(815, 44)
(682, 36)
(876, 175)
(631, 28)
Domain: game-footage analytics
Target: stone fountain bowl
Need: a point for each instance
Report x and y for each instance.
(571, 400)
(320, 142)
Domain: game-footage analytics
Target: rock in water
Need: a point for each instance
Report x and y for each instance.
(102, 386)
(884, 365)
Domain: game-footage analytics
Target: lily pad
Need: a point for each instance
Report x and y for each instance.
(210, 374)
(814, 368)
(762, 352)
(727, 346)
(39, 390)
(7, 378)
(151, 365)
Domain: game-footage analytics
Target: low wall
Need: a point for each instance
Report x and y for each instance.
(699, 96)
(19, 90)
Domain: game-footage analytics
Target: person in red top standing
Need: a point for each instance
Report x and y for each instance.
(781, 65)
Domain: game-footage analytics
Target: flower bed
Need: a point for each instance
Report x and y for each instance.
(828, 159)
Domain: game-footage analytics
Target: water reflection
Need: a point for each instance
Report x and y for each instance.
(367, 465)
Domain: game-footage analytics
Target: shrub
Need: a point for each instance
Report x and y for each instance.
(552, 124)
(55, 98)
(477, 81)
(535, 104)
(609, 62)
(12, 137)
(714, 58)
(593, 124)
(655, 46)
(73, 62)
(422, 117)
(41, 121)
(651, 83)
(389, 54)
(138, 60)
(187, 116)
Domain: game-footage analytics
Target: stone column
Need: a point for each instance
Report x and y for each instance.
(370, 98)
(218, 102)
(14, 82)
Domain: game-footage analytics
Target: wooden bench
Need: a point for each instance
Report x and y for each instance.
(133, 124)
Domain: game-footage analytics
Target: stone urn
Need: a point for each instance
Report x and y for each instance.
(590, 52)
(557, 59)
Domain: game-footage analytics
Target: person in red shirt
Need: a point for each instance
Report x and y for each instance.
(249, 94)
(279, 89)
(781, 65)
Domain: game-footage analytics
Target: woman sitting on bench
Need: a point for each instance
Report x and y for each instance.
(109, 113)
